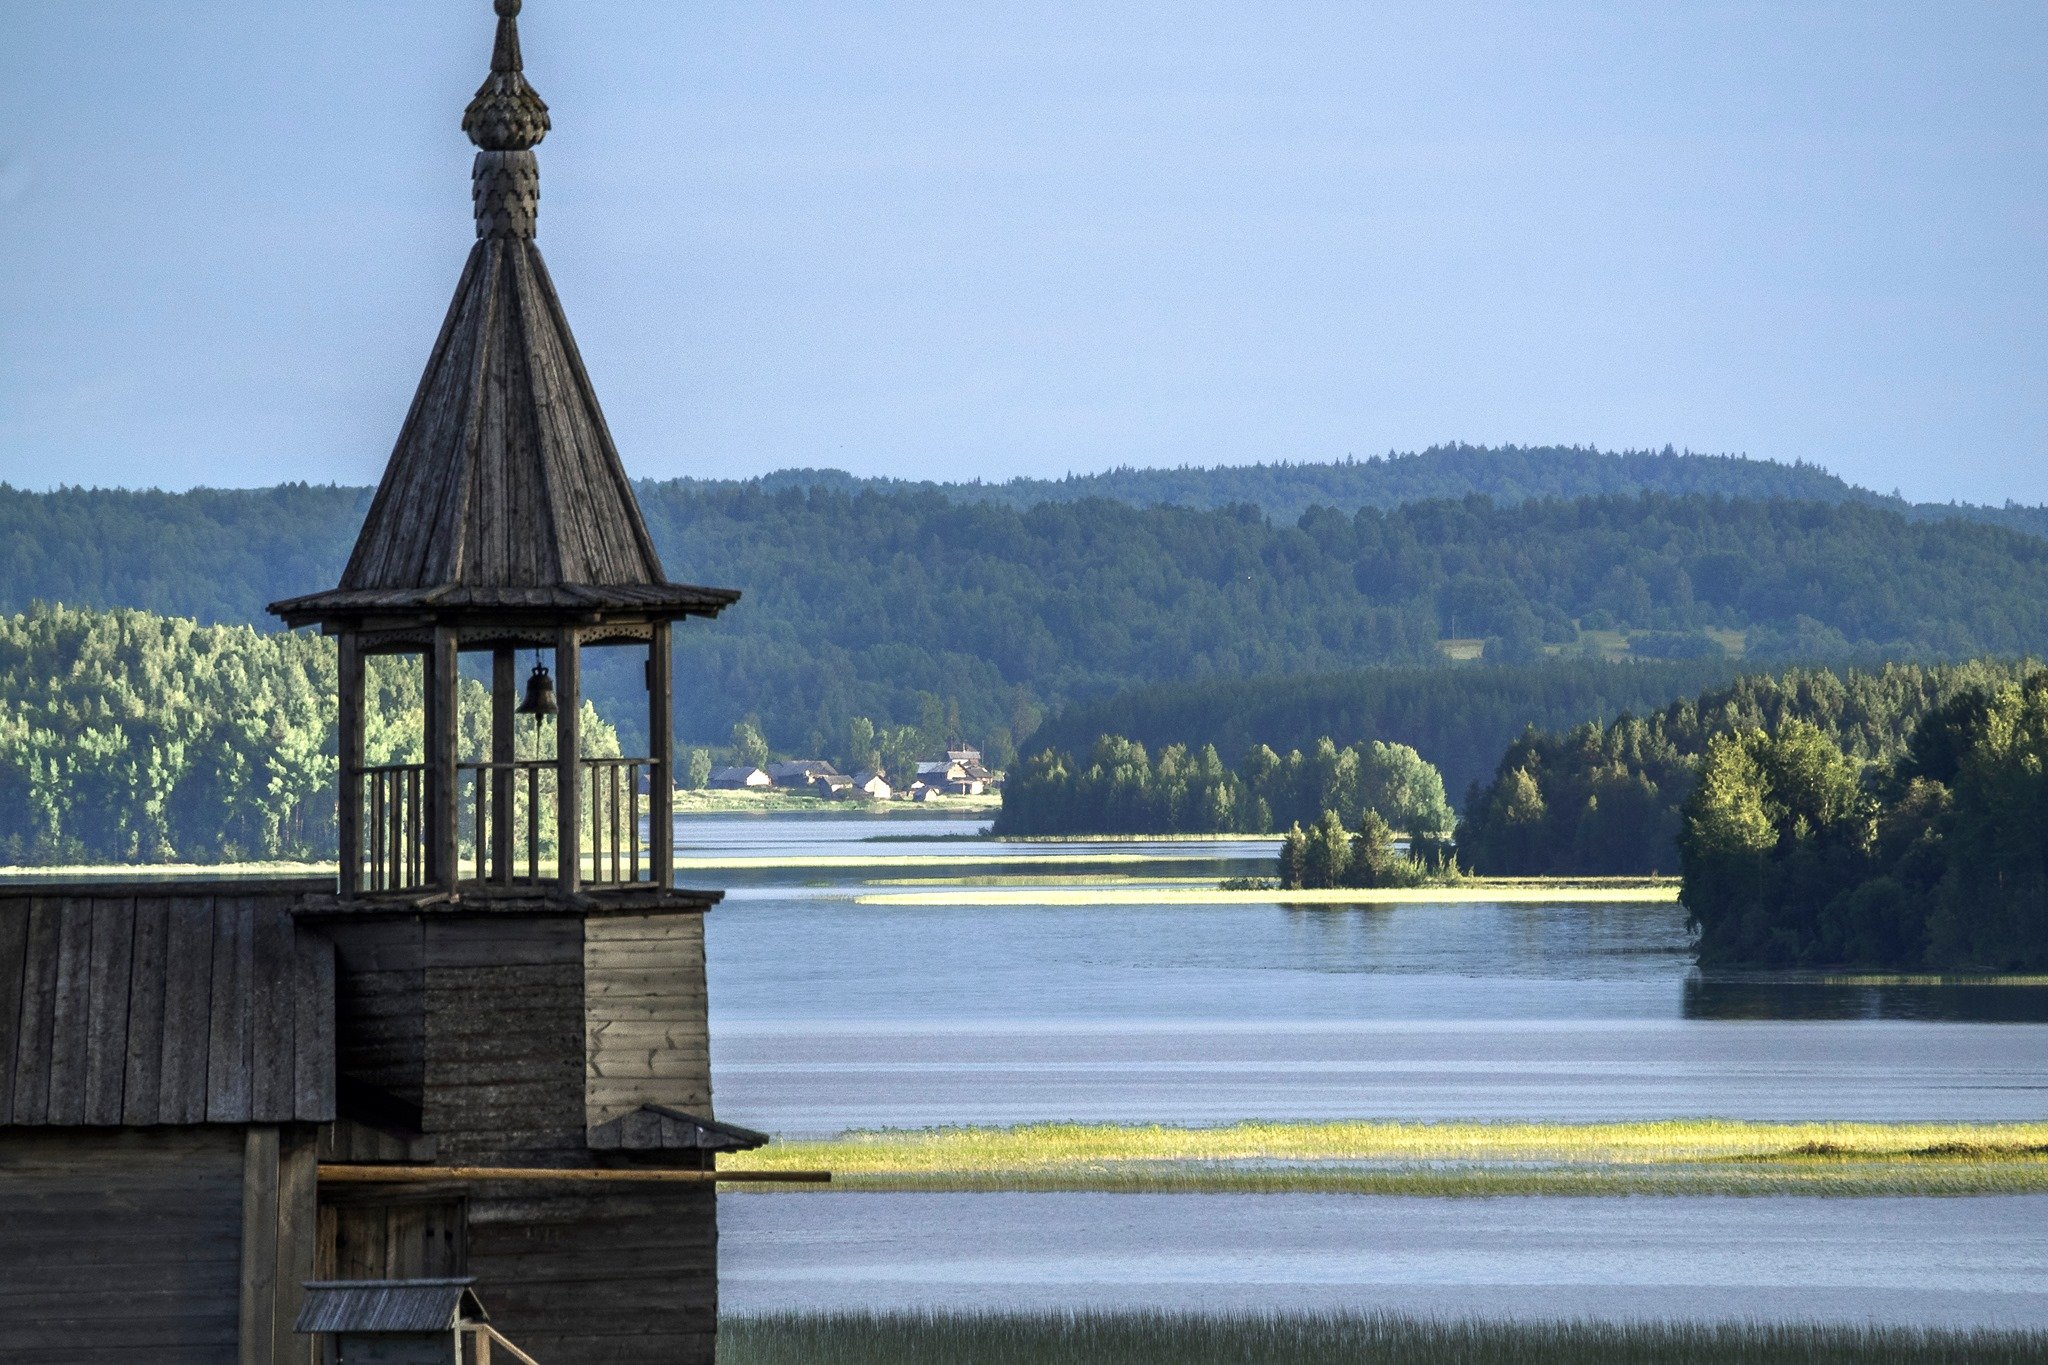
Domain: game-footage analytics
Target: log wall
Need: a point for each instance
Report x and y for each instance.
(121, 1245)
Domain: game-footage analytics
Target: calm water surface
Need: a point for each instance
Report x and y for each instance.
(830, 1014)
(1955, 1262)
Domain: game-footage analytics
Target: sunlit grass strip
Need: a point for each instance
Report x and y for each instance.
(1465, 893)
(1680, 1156)
(1366, 1140)
(145, 871)
(1153, 1338)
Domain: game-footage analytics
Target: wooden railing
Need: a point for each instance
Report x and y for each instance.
(613, 800)
(507, 823)
(394, 833)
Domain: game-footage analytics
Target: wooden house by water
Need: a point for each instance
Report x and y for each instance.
(480, 1054)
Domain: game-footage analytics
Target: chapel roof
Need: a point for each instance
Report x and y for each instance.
(504, 490)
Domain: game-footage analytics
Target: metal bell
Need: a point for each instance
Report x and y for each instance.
(540, 694)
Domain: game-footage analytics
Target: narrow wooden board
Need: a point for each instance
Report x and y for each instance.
(38, 1006)
(142, 1088)
(272, 984)
(228, 1044)
(108, 982)
(188, 997)
(13, 964)
(71, 1017)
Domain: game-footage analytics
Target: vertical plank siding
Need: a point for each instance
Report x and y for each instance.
(187, 1006)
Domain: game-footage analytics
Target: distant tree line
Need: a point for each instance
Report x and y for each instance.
(1460, 719)
(1285, 489)
(872, 601)
(1798, 852)
(1119, 789)
(1598, 799)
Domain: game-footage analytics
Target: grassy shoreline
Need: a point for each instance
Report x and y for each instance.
(1675, 1157)
(1132, 1337)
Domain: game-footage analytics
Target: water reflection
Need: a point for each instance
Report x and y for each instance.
(1759, 996)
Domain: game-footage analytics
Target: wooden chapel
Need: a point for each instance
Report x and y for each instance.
(480, 1053)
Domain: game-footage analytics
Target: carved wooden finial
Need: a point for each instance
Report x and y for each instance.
(506, 115)
(506, 120)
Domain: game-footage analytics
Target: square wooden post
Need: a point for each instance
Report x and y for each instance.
(504, 681)
(568, 759)
(444, 787)
(348, 814)
(661, 739)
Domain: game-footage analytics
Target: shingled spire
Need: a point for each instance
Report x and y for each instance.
(504, 488)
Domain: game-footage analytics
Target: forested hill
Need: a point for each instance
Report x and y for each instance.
(1506, 474)
(900, 606)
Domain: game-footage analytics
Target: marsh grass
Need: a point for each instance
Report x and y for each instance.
(1153, 1338)
(1681, 1156)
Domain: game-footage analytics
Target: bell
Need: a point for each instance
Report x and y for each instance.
(540, 694)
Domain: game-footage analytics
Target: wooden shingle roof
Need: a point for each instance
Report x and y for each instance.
(504, 490)
(372, 1307)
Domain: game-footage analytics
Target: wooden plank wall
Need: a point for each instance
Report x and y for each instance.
(120, 1245)
(646, 1038)
(619, 1276)
(504, 1039)
(190, 1006)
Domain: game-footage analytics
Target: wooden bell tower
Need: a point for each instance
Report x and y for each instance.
(504, 521)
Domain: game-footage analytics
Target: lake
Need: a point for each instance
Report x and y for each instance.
(829, 1013)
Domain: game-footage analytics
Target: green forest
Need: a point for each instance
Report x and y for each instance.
(1117, 788)
(883, 603)
(127, 737)
(1607, 800)
(1797, 851)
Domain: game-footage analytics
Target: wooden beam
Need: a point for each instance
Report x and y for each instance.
(259, 1246)
(568, 759)
(347, 1174)
(661, 738)
(349, 732)
(504, 716)
(298, 1227)
(444, 857)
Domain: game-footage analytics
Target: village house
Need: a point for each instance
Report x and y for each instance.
(800, 773)
(959, 773)
(740, 779)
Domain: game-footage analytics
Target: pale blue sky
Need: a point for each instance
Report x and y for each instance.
(945, 239)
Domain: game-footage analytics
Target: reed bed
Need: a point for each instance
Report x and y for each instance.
(1680, 1156)
(1156, 1338)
